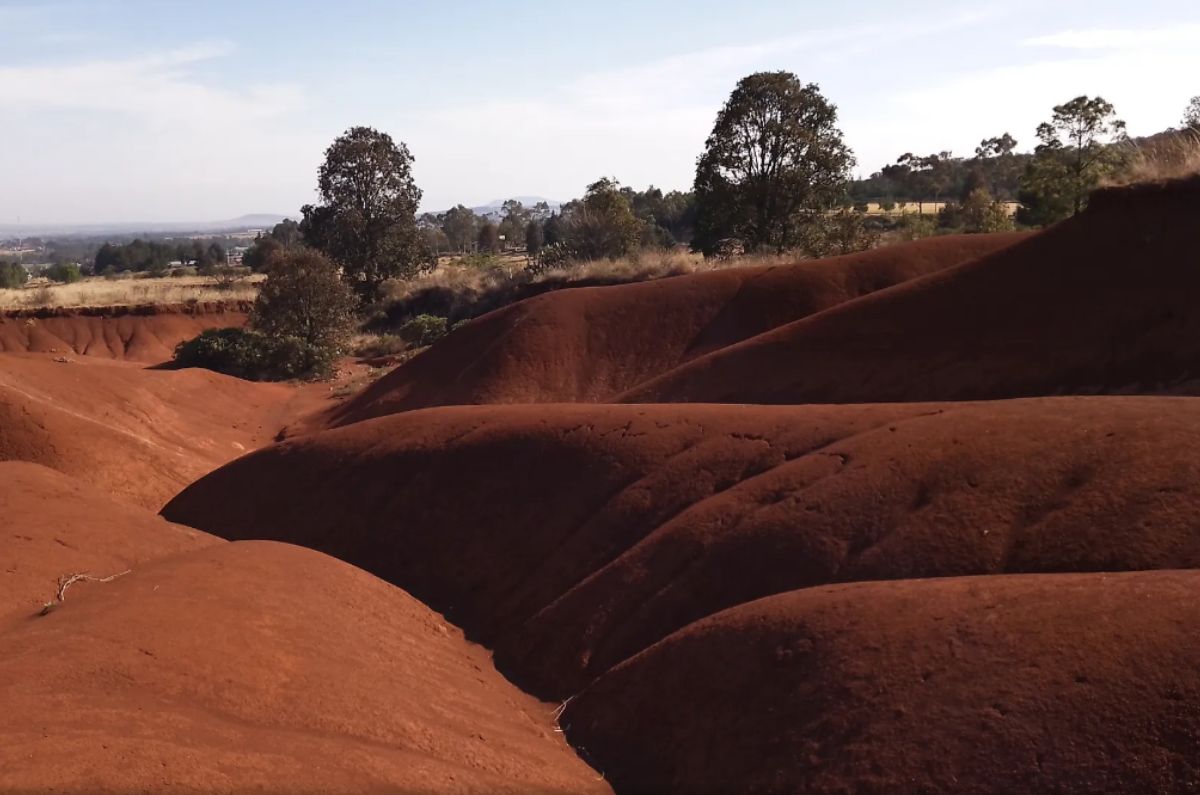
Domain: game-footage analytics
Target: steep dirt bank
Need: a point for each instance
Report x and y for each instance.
(146, 334)
(591, 344)
(1103, 303)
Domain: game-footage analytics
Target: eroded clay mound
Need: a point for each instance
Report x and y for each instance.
(263, 667)
(1103, 303)
(52, 526)
(140, 435)
(140, 334)
(571, 537)
(1026, 683)
(591, 344)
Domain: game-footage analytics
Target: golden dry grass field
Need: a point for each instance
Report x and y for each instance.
(101, 292)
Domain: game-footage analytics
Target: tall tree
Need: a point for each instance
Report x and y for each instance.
(601, 225)
(1077, 151)
(535, 238)
(287, 233)
(774, 161)
(997, 162)
(367, 219)
(512, 224)
(1191, 116)
(489, 237)
(461, 226)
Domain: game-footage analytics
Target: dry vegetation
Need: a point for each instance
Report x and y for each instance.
(461, 291)
(99, 292)
(1163, 157)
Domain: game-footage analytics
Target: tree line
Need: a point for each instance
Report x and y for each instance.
(774, 176)
(156, 257)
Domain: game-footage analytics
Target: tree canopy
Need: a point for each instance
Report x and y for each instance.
(775, 159)
(1076, 152)
(367, 219)
(1191, 116)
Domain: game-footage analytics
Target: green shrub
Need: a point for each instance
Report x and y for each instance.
(12, 275)
(483, 261)
(423, 330)
(254, 356)
(64, 273)
(380, 345)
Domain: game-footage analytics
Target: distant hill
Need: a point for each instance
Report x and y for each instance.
(241, 223)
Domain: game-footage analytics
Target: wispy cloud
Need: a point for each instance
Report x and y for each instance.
(141, 129)
(643, 122)
(158, 87)
(1120, 38)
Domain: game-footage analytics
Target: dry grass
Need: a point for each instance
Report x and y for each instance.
(101, 292)
(642, 266)
(459, 292)
(1164, 157)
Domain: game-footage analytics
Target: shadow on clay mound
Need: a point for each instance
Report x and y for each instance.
(569, 538)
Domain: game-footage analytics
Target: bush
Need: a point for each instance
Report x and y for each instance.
(915, 227)
(253, 355)
(64, 273)
(12, 275)
(424, 330)
(842, 232)
(304, 297)
(377, 345)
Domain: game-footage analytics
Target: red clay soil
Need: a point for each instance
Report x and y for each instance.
(591, 344)
(1028, 683)
(138, 434)
(146, 334)
(571, 537)
(1102, 303)
(263, 667)
(52, 525)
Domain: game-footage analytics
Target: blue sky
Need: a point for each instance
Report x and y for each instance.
(156, 111)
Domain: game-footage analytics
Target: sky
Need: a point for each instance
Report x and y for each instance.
(141, 110)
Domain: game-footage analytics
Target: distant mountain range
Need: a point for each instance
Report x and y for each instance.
(240, 224)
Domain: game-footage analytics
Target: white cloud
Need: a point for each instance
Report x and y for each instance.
(642, 123)
(150, 138)
(1120, 38)
(157, 87)
(1148, 82)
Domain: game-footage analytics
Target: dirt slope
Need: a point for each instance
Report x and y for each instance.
(263, 667)
(1105, 302)
(571, 537)
(146, 334)
(591, 344)
(140, 435)
(52, 525)
(1029, 683)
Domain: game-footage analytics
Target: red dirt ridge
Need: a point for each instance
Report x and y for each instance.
(1045, 683)
(591, 344)
(1102, 303)
(572, 537)
(139, 434)
(214, 667)
(146, 334)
